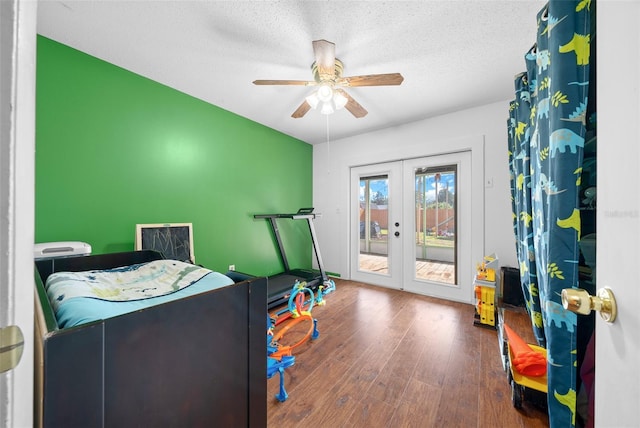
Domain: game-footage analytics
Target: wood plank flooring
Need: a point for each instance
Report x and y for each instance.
(387, 358)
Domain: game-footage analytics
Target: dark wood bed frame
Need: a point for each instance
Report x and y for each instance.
(197, 361)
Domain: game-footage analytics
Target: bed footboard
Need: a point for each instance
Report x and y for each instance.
(197, 361)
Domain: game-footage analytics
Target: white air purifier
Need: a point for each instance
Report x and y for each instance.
(50, 250)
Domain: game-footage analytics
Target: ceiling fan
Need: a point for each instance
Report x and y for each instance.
(327, 75)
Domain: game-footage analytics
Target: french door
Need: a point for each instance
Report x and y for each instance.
(411, 225)
(376, 234)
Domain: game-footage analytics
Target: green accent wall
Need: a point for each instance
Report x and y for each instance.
(114, 149)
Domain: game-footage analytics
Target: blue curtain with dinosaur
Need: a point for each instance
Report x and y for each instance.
(546, 131)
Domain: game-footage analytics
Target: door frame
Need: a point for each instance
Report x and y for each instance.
(474, 144)
(17, 198)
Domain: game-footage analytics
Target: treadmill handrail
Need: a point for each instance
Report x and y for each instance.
(302, 214)
(292, 216)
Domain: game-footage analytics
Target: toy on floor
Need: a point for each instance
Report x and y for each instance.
(279, 356)
(527, 367)
(279, 349)
(277, 364)
(327, 287)
(296, 302)
(525, 359)
(485, 273)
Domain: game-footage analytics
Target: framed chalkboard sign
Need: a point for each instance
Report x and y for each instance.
(174, 240)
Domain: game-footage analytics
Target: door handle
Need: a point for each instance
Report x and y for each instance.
(11, 347)
(581, 302)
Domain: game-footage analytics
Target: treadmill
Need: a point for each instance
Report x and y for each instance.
(280, 285)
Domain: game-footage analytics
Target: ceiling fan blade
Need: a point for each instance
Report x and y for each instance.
(285, 82)
(325, 53)
(352, 105)
(302, 110)
(372, 80)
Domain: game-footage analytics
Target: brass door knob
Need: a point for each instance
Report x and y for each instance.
(579, 301)
(11, 347)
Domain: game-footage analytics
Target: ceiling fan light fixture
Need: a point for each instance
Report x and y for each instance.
(339, 100)
(313, 100)
(325, 93)
(327, 107)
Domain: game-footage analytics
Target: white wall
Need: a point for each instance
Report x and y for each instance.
(331, 163)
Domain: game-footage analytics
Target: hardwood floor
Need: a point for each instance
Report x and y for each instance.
(387, 358)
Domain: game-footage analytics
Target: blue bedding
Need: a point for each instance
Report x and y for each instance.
(80, 297)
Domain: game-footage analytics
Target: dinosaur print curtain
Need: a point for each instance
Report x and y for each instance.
(546, 130)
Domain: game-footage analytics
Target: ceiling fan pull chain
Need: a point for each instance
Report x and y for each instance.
(327, 129)
(328, 149)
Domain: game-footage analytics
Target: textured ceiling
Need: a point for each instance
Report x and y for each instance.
(453, 54)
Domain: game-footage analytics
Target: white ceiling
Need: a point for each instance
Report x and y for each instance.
(453, 54)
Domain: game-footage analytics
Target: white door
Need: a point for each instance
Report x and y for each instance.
(437, 213)
(411, 225)
(376, 215)
(617, 401)
(17, 130)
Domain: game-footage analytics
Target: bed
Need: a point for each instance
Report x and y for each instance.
(194, 358)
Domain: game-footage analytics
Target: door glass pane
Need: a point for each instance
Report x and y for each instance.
(374, 224)
(435, 224)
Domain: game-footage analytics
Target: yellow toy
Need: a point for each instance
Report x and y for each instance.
(485, 273)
